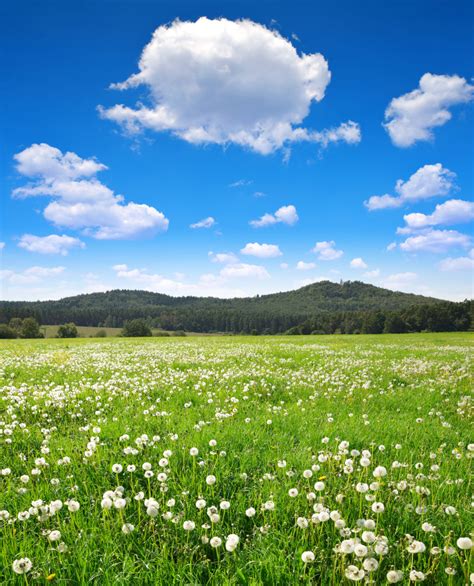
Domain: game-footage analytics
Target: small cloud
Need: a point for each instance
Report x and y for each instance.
(305, 266)
(244, 270)
(241, 183)
(413, 116)
(428, 181)
(392, 246)
(261, 250)
(284, 215)
(204, 223)
(358, 263)
(326, 250)
(453, 211)
(223, 257)
(52, 244)
(435, 241)
(461, 263)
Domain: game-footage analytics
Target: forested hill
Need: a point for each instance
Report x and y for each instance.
(317, 304)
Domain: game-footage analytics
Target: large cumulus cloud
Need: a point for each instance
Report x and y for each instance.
(221, 81)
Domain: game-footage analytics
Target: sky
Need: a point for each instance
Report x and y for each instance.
(235, 148)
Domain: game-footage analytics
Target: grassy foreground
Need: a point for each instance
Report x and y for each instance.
(276, 460)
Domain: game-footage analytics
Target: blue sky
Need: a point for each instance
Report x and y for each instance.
(229, 120)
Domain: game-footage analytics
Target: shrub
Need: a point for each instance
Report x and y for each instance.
(67, 331)
(30, 328)
(101, 334)
(136, 328)
(6, 332)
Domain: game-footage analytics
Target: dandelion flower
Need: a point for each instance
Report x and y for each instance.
(22, 566)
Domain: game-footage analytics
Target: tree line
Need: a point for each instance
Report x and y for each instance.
(434, 317)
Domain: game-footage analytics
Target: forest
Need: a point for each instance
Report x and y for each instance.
(324, 307)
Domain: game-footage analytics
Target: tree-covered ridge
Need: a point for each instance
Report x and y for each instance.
(324, 306)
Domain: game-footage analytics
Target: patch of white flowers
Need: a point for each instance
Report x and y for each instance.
(142, 450)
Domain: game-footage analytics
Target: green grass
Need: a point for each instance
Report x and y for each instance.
(84, 331)
(264, 401)
(91, 332)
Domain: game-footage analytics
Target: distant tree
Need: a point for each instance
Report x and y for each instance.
(101, 334)
(30, 328)
(7, 333)
(373, 323)
(67, 331)
(394, 324)
(179, 333)
(136, 328)
(15, 324)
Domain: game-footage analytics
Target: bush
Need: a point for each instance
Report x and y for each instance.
(6, 332)
(136, 328)
(101, 334)
(67, 331)
(161, 334)
(15, 325)
(179, 333)
(30, 328)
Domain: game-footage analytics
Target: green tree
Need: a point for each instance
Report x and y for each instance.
(68, 331)
(136, 328)
(394, 324)
(6, 332)
(15, 324)
(30, 328)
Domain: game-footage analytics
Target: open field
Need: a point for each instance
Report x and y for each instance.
(84, 331)
(226, 460)
(91, 332)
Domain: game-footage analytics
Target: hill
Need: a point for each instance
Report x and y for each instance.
(324, 306)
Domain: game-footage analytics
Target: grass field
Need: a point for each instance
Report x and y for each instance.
(231, 460)
(91, 332)
(83, 331)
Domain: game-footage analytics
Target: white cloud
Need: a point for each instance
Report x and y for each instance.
(241, 183)
(80, 201)
(358, 263)
(348, 132)
(326, 251)
(428, 181)
(461, 263)
(223, 257)
(400, 281)
(244, 270)
(413, 116)
(52, 244)
(436, 241)
(221, 284)
(31, 275)
(205, 223)
(221, 81)
(374, 273)
(391, 246)
(453, 211)
(284, 265)
(284, 215)
(305, 266)
(2, 245)
(261, 250)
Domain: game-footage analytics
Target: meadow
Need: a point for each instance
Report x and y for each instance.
(237, 460)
